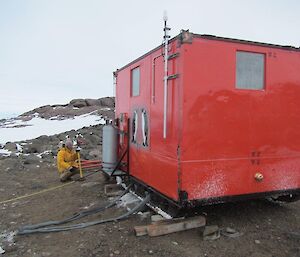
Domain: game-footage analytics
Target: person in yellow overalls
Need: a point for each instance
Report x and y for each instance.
(67, 161)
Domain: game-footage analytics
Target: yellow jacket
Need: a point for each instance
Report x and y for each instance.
(65, 159)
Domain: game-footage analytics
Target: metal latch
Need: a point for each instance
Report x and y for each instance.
(174, 76)
(172, 56)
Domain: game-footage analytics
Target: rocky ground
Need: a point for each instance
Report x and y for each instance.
(266, 228)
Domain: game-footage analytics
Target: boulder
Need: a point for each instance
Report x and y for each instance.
(12, 147)
(93, 102)
(78, 103)
(107, 102)
(34, 148)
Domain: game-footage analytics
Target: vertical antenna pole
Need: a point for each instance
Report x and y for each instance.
(115, 83)
(166, 39)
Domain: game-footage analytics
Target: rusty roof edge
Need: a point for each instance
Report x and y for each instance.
(248, 42)
(217, 38)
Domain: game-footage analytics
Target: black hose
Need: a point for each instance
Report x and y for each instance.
(76, 215)
(87, 224)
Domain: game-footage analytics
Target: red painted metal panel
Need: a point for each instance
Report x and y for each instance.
(231, 134)
(155, 165)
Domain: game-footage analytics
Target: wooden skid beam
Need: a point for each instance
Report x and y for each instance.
(170, 226)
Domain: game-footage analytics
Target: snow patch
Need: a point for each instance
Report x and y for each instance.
(40, 155)
(19, 148)
(5, 152)
(54, 118)
(20, 130)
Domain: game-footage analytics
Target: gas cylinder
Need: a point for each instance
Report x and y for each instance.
(109, 148)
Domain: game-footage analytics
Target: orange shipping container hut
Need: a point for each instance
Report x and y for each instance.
(232, 117)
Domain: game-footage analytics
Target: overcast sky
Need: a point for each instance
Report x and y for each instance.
(52, 51)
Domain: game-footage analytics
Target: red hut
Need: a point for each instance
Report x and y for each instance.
(208, 119)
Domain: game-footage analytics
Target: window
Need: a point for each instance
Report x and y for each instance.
(250, 70)
(134, 127)
(135, 81)
(145, 128)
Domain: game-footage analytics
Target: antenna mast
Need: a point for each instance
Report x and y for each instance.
(166, 57)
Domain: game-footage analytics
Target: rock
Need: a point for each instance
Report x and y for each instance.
(78, 103)
(93, 102)
(116, 252)
(211, 232)
(230, 232)
(108, 101)
(34, 148)
(12, 147)
(210, 229)
(257, 241)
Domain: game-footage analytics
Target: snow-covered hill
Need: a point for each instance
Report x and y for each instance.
(18, 130)
(50, 123)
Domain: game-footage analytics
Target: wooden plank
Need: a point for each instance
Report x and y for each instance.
(140, 230)
(171, 227)
(156, 217)
(165, 221)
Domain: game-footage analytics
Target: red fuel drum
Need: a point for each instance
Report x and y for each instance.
(233, 118)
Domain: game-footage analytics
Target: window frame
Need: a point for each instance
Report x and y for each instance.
(132, 94)
(263, 72)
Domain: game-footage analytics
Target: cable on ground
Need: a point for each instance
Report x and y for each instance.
(137, 208)
(76, 215)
